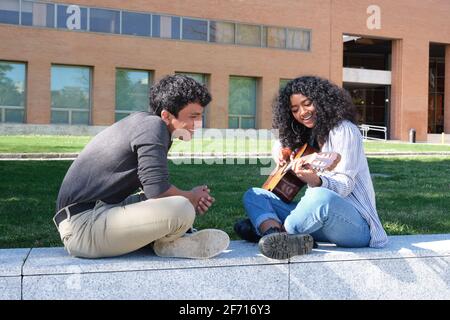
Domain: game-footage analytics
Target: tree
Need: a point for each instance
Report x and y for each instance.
(10, 93)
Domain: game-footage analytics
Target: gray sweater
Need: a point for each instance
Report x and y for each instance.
(128, 155)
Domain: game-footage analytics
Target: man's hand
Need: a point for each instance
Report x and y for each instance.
(202, 199)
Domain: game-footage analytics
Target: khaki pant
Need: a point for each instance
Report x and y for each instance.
(115, 229)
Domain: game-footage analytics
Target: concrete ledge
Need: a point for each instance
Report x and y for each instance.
(11, 263)
(410, 267)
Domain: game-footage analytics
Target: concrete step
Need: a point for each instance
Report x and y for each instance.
(410, 267)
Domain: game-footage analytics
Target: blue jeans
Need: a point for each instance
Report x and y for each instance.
(322, 213)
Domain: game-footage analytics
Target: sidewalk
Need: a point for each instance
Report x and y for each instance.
(204, 155)
(410, 267)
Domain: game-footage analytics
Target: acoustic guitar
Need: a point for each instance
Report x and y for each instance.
(285, 183)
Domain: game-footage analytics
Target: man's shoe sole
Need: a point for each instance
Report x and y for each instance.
(202, 244)
(284, 246)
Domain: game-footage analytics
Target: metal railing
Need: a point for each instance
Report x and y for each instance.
(365, 128)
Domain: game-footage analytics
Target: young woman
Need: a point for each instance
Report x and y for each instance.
(339, 205)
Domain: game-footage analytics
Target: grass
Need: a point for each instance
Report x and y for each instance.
(379, 146)
(50, 144)
(412, 196)
(74, 144)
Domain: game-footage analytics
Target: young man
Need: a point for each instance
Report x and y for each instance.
(99, 213)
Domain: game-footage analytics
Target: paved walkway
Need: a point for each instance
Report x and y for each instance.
(204, 155)
(410, 267)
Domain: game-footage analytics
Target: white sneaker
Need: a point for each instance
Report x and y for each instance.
(202, 244)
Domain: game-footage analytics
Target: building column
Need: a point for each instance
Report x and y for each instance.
(447, 91)
(267, 90)
(103, 104)
(38, 96)
(336, 58)
(395, 116)
(162, 72)
(409, 94)
(218, 108)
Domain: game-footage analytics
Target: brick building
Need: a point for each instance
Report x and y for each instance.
(91, 62)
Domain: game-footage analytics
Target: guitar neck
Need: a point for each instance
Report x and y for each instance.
(318, 161)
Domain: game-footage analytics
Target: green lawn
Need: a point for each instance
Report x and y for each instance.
(73, 144)
(412, 196)
(51, 144)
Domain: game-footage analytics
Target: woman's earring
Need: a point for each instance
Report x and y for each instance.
(293, 129)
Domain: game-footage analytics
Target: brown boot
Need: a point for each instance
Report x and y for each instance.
(281, 245)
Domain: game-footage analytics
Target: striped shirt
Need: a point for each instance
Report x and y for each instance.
(351, 178)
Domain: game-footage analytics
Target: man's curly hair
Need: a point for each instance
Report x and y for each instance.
(174, 92)
(332, 103)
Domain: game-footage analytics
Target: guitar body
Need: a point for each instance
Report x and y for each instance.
(285, 183)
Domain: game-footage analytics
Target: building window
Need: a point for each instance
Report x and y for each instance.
(132, 91)
(249, 35)
(137, 24)
(298, 39)
(221, 32)
(38, 14)
(12, 91)
(436, 89)
(194, 29)
(165, 27)
(202, 78)
(71, 17)
(102, 20)
(9, 11)
(274, 37)
(71, 94)
(242, 103)
(41, 13)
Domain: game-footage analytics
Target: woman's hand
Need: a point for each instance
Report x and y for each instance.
(306, 174)
(285, 155)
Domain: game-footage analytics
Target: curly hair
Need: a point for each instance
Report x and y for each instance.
(332, 103)
(174, 92)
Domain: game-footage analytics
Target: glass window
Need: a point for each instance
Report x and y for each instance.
(298, 39)
(38, 14)
(71, 17)
(248, 123)
(102, 20)
(71, 97)
(195, 29)
(80, 117)
(132, 91)
(221, 32)
(134, 23)
(242, 102)
(248, 35)
(199, 77)
(9, 11)
(233, 122)
(60, 117)
(274, 37)
(12, 91)
(165, 27)
(12, 115)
